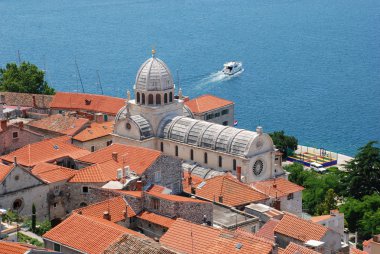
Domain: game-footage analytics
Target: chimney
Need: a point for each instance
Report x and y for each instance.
(106, 215)
(3, 125)
(220, 199)
(114, 156)
(192, 190)
(15, 160)
(34, 102)
(238, 173)
(21, 125)
(259, 130)
(376, 238)
(99, 118)
(139, 185)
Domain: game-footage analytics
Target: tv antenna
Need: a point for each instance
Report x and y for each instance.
(99, 82)
(80, 78)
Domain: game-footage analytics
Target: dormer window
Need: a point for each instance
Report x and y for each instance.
(87, 102)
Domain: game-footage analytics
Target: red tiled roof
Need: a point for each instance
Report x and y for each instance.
(156, 188)
(51, 173)
(278, 187)
(174, 198)
(68, 125)
(115, 206)
(317, 219)
(234, 193)
(96, 130)
(156, 219)
(294, 248)
(45, 151)
(298, 228)
(18, 248)
(194, 179)
(4, 171)
(137, 158)
(357, 251)
(206, 103)
(87, 234)
(97, 173)
(187, 237)
(87, 102)
(267, 231)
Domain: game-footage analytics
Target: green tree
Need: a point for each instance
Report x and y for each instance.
(286, 144)
(362, 175)
(34, 218)
(328, 204)
(24, 78)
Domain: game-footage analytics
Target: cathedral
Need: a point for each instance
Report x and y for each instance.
(158, 119)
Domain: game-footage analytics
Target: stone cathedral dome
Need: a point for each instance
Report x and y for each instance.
(154, 75)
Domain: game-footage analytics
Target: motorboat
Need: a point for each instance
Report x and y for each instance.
(232, 68)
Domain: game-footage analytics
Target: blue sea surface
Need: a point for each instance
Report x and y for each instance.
(312, 68)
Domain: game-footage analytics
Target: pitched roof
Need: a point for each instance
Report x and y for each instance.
(97, 173)
(27, 99)
(95, 130)
(317, 219)
(194, 180)
(134, 245)
(187, 237)
(87, 102)
(137, 158)
(278, 187)
(115, 206)
(234, 193)
(52, 173)
(156, 219)
(174, 198)
(63, 124)
(267, 231)
(18, 248)
(206, 103)
(294, 248)
(4, 171)
(357, 251)
(298, 228)
(87, 234)
(45, 151)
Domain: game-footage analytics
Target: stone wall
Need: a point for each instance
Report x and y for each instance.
(77, 197)
(150, 229)
(65, 250)
(9, 144)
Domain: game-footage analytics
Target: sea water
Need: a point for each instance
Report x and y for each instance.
(312, 68)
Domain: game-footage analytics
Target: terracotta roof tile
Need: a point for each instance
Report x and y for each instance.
(138, 159)
(357, 251)
(96, 130)
(317, 219)
(194, 179)
(156, 219)
(63, 124)
(45, 151)
(174, 198)
(234, 193)
(298, 228)
(206, 103)
(267, 231)
(97, 173)
(51, 173)
(87, 102)
(18, 248)
(87, 234)
(293, 248)
(278, 187)
(187, 237)
(4, 171)
(115, 206)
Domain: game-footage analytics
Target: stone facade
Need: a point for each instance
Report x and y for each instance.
(94, 144)
(223, 115)
(15, 136)
(291, 203)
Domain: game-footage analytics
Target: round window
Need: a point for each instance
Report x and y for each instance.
(128, 125)
(17, 204)
(258, 167)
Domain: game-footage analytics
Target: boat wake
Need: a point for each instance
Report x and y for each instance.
(217, 77)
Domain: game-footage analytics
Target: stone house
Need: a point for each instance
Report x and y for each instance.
(306, 233)
(96, 136)
(15, 136)
(372, 246)
(20, 189)
(22, 248)
(284, 195)
(212, 109)
(334, 221)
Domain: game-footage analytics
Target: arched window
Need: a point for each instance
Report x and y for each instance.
(220, 161)
(205, 158)
(191, 154)
(158, 99)
(176, 150)
(170, 97)
(138, 97)
(234, 164)
(162, 146)
(143, 99)
(150, 99)
(165, 98)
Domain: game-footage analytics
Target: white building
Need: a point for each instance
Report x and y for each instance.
(157, 119)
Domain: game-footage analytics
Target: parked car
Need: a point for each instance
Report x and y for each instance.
(318, 168)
